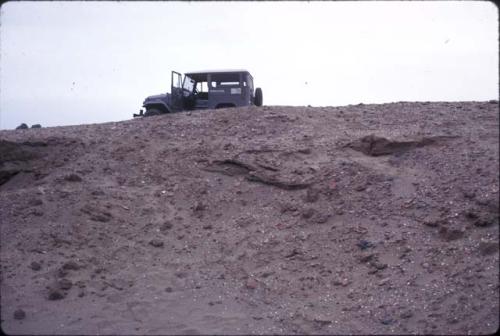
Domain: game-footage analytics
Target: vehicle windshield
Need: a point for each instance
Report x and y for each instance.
(188, 84)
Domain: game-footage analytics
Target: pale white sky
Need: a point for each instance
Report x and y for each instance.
(67, 63)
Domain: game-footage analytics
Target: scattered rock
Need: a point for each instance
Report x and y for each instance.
(35, 266)
(308, 213)
(433, 220)
(55, 294)
(19, 314)
(71, 265)
(156, 243)
(364, 244)
(321, 218)
(485, 221)
(487, 248)
(65, 284)
(378, 265)
(312, 195)
(35, 202)
(387, 320)
(406, 314)
(450, 234)
(166, 226)
(360, 187)
(366, 258)
(73, 178)
(251, 283)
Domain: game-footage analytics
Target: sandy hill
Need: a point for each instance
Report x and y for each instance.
(288, 220)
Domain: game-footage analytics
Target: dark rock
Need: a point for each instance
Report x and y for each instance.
(37, 212)
(22, 126)
(308, 213)
(485, 221)
(312, 195)
(251, 283)
(61, 272)
(168, 289)
(387, 320)
(199, 206)
(487, 248)
(450, 234)
(65, 284)
(35, 202)
(73, 178)
(55, 294)
(321, 218)
(36, 126)
(432, 222)
(166, 226)
(367, 257)
(469, 194)
(406, 314)
(364, 244)
(35, 266)
(360, 187)
(472, 214)
(19, 314)
(71, 265)
(378, 265)
(156, 243)
(207, 226)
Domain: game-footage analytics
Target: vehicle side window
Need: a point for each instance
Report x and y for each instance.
(226, 79)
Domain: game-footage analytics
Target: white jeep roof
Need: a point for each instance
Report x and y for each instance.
(215, 71)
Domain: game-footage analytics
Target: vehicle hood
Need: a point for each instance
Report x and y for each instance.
(158, 96)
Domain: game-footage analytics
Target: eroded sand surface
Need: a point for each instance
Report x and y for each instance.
(371, 219)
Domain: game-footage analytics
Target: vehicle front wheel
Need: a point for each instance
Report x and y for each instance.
(151, 112)
(258, 99)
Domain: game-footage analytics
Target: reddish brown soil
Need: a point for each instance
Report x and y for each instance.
(366, 219)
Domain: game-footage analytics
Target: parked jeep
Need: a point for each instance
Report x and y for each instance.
(204, 90)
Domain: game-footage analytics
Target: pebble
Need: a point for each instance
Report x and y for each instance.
(487, 248)
(73, 178)
(19, 314)
(71, 265)
(364, 244)
(55, 294)
(65, 284)
(387, 320)
(406, 314)
(156, 243)
(251, 284)
(166, 226)
(35, 266)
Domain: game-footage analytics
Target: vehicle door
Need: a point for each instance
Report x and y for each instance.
(177, 101)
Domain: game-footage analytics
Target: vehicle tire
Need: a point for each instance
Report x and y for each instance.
(151, 112)
(258, 99)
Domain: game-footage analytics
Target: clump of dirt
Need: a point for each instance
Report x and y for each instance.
(365, 219)
(374, 145)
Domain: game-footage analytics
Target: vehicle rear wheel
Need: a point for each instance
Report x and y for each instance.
(151, 112)
(258, 99)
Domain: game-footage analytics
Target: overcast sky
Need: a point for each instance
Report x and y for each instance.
(67, 63)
